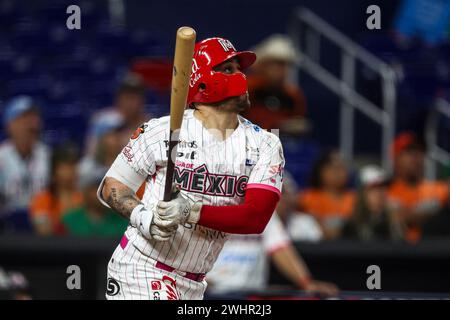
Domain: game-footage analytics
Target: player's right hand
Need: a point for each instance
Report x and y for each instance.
(177, 211)
(162, 234)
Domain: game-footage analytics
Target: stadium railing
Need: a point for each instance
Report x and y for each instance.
(308, 30)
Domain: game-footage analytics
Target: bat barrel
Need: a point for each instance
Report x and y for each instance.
(182, 66)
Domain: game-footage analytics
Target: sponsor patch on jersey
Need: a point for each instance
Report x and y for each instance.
(138, 131)
(183, 144)
(156, 288)
(249, 162)
(156, 285)
(252, 152)
(256, 128)
(187, 155)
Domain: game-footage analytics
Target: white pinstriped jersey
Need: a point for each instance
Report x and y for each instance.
(243, 263)
(208, 170)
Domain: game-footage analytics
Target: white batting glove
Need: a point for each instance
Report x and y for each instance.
(142, 219)
(177, 211)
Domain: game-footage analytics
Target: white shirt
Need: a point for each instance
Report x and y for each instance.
(243, 264)
(20, 179)
(208, 170)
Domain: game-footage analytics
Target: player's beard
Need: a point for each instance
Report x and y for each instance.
(236, 104)
(242, 103)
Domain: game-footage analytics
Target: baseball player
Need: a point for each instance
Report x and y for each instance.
(243, 264)
(229, 176)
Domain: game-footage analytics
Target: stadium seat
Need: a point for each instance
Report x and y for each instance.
(299, 155)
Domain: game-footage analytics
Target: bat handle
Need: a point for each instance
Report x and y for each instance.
(173, 142)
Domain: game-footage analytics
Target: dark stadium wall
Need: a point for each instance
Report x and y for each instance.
(248, 22)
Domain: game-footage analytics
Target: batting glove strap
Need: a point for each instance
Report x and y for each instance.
(141, 218)
(194, 214)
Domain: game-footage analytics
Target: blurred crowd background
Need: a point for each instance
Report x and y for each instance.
(70, 100)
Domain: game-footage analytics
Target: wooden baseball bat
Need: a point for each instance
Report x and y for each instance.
(182, 66)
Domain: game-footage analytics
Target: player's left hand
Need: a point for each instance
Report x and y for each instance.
(176, 211)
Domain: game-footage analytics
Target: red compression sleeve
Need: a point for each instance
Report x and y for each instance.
(251, 217)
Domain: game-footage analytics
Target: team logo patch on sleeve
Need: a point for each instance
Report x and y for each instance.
(128, 153)
(112, 287)
(138, 131)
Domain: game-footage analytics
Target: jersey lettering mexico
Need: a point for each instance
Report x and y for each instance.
(214, 172)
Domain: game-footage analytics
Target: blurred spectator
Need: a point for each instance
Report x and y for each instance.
(288, 200)
(93, 219)
(108, 131)
(414, 198)
(328, 198)
(14, 286)
(243, 265)
(426, 19)
(47, 206)
(129, 105)
(372, 219)
(438, 225)
(23, 162)
(447, 172)
(276, 104)
(300, 226)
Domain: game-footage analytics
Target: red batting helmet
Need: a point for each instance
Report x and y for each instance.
(216, 86)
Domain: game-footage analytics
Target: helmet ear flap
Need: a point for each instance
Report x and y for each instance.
(200, 91)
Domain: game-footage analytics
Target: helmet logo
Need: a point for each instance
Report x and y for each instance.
(194, 80)
(226, 45)
(195, 66)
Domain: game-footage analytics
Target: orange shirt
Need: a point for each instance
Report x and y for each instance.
(44, 204)
(324, 205)
(410, 196)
